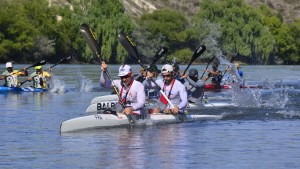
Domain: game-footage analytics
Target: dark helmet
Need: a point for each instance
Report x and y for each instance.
(215, 65)
(153, 68)
(193, 73)
(175, 67)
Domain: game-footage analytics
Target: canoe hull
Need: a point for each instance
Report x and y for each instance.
(109, 120)
(19, 89)
(100, 107)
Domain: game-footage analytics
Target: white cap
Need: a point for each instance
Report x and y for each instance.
(167, 69)
(124, 70)
(8, 64)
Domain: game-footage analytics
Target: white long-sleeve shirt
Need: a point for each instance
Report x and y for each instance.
(135, 97)
(178, 95)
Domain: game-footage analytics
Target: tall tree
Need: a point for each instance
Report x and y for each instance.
(242, 30)
(107, 18)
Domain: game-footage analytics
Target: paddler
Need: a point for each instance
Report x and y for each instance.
(177, 73)
(11, 76)
(152, 93)
(143, 75)
(131, 91)
(215, 74)
(238, 68)
(194, 86)
(172, 88)
(39, 77)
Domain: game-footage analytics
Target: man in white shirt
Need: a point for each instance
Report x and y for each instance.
(131, 91)
(172, 88)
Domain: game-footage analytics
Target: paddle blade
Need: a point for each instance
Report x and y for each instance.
(129, 46)
(198, 52)
(233, 57)
(37, 64)
(211, 59)
(90, 39)
(61, 60)
(195, 55)
(159, 54)
(68, 58)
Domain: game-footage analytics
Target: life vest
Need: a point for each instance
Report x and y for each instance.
(38, 82)
(11, 81)
(217, 79)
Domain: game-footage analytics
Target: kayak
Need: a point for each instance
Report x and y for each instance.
(212, 87)
(101, 107)
(21, 89)
(227, 86)
(97, 121)
(106, 103)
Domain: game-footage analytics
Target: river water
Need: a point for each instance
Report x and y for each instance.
(262, 132)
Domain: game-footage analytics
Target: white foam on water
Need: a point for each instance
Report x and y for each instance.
(57, 85)
(84, 84)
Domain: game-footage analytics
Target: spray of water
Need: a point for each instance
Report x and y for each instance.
(57, 85)
(84, 84)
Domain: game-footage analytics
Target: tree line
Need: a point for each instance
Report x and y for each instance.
(32, 30)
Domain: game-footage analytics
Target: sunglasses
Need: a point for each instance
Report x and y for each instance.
(164, 76)
(124, 77)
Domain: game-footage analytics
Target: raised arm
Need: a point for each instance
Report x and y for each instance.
(197, 84)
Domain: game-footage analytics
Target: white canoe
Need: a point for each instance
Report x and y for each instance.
(109, 120)
(99, 104)
(106, 98)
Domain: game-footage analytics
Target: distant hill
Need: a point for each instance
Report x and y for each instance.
(289, 9)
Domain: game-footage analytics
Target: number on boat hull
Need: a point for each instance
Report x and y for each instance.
(98, 117)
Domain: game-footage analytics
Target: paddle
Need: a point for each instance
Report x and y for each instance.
(37, 64)
(212, 58)
(159, 54)
(230, 62)
(90, 39)
(132, 51)
(61, 60)
(195, 55)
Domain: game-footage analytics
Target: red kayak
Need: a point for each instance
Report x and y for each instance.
(213, 87)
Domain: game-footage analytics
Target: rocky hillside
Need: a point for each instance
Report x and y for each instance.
(290, 9)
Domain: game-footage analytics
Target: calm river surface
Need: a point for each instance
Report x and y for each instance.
(262, 132)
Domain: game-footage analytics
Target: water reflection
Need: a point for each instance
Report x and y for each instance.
(131, 147)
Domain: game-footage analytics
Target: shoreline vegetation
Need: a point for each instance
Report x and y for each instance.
(32, 30)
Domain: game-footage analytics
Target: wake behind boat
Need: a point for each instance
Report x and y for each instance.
(97, 121)
(21, 89)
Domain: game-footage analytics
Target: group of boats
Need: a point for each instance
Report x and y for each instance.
(31, 89)
(99, 115)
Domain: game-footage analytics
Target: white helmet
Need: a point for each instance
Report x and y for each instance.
(167, 69)
(8, 64)
(124, 70)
